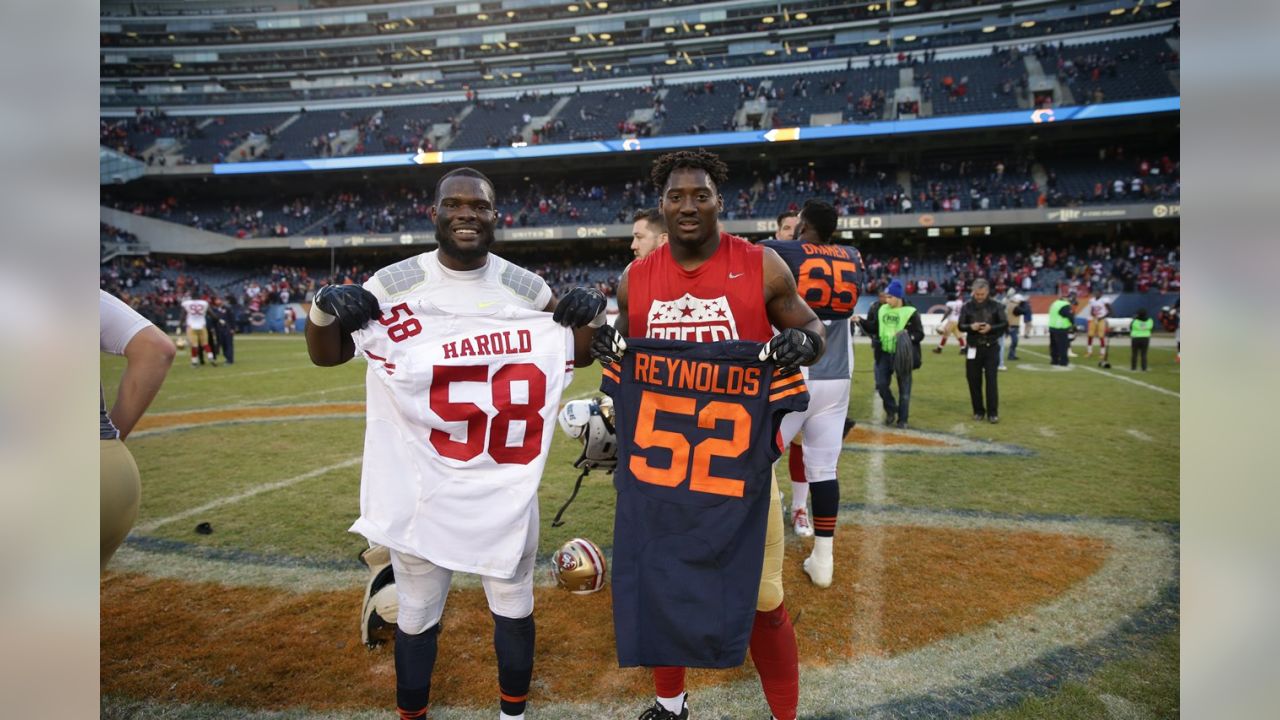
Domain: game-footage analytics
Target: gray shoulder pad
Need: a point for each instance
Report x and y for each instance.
(521, 282)
(401, 277)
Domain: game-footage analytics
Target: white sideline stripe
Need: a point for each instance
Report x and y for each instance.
(225, 375)
(868, 621)
(1140, 435)
(251, 492)
(267, 401)
(1148, 386)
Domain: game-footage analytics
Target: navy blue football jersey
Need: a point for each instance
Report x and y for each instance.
(697, 427)
(827, 276)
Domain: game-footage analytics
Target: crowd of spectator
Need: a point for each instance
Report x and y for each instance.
(155, 286)
(1112, 268)
(1137, 178)
(937, 185)
(112, 234)
(132, 136)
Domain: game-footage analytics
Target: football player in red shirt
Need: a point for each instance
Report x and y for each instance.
(702, 272)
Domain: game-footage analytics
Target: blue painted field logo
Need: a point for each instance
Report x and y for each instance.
(892, 440)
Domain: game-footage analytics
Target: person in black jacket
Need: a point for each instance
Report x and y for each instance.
(223, 325)
(984, 322)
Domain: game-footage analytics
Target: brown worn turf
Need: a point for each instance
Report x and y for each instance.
(176, 641)
(204, 417)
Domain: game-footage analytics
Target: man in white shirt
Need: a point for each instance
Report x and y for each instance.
(488, 464)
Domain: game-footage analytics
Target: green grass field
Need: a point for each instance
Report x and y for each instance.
(1094, 447)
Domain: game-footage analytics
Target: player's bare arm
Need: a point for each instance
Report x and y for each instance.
(783, 304)
(328, 345)
(149, 353)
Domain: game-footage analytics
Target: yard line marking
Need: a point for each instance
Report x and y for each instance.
(232, 374)
(1148, 386)
(1140, 435)
(1048, 432)
(251, 492)
(268, 401)
(868, 620)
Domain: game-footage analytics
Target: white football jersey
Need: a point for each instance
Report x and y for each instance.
(953, 310)
(461, 409)
(1098, 308)
(195, 313)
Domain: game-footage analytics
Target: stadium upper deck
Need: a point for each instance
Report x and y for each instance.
(362, 56)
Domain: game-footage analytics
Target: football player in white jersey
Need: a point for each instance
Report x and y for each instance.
(1099, 309)
(197, 330)
(950, 324)
(460, 277)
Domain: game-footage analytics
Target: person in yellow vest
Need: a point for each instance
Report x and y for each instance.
(893, 317)
(1140, 338)
(1062, 318)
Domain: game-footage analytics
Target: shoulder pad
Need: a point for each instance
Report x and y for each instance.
(401, 277)
(521, 282)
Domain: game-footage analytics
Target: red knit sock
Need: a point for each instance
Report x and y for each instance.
(668, 682)
(773, 650)
(795, 463)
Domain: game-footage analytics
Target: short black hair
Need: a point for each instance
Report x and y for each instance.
(652, 216)
(786, 215)
(698, 159)
(464, 172)
(821, 216)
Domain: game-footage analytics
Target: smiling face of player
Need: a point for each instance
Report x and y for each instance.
(464, 215)
(691, 205)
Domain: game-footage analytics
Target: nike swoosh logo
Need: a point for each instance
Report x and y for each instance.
(487, 304)
(735, 275)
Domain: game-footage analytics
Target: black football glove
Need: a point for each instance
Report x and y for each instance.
(608, 345)
(792, 348)
(582, 306)
(353, 305)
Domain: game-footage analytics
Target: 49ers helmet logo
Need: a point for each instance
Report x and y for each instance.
(692, 319)
(579, 567)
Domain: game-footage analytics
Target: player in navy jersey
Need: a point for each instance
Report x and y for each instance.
(827, 276)
(709, 286)
(698, 424)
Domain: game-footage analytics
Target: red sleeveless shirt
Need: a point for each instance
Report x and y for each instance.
(721, 299)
